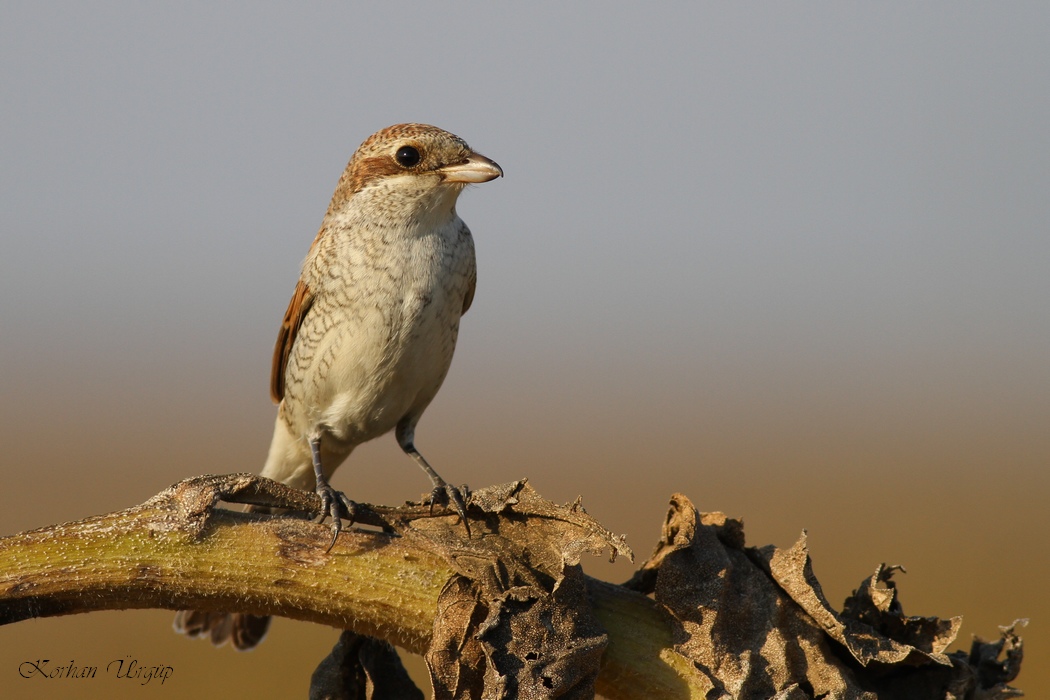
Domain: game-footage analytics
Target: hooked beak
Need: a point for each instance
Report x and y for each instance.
(476, 168)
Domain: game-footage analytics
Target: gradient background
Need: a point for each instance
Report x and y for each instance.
(793, 261)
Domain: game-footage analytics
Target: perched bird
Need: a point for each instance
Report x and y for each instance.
(369, 333)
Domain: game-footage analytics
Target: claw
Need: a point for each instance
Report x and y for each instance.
(451, 496)
(335, 505)
(442, 492)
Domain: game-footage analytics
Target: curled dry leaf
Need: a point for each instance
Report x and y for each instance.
(362, 668)
(756, 624)
(515, 621)
(872, 626)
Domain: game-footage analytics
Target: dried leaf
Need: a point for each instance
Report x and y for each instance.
(516, 622)
(997, 663)
(735, 624)
(872, 627)
(362, 668)
(757, 624)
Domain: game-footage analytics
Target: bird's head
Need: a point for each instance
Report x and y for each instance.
(409, 165)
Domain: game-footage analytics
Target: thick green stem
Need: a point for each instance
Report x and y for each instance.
(176, 552)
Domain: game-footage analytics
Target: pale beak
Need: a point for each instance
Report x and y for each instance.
(476, 168)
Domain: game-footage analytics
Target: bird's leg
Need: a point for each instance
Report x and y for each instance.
(443, 492)
(333, 503)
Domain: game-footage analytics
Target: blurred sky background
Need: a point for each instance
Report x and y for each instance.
(792, 260)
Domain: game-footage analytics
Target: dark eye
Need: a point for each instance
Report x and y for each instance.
(407, 156)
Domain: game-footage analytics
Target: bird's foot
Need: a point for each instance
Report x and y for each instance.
(449, 496)
(335, 505)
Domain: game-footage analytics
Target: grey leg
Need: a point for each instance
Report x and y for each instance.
(334, 503)
(443, 492)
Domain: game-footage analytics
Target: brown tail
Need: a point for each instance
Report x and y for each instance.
(244, 631)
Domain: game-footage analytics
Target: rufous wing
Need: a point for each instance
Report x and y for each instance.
(298, 307)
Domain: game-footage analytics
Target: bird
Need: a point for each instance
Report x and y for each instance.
(370, 331)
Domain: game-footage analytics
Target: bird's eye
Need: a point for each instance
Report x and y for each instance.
(407, 156)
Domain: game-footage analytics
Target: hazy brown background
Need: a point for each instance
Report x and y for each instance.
(790, 260)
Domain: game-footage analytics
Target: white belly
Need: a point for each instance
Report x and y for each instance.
(384, 368)
(379, 340)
